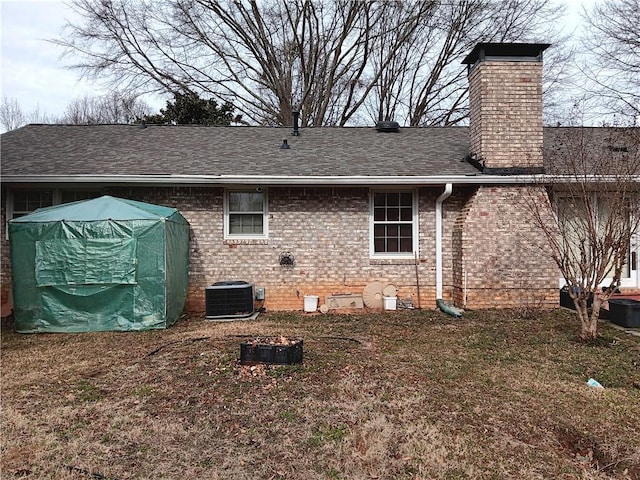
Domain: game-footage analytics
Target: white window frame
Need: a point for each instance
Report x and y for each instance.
(633, 280)
(265, 216)
(56, 199)
(10, 204)
(11, 211)
(414, 225)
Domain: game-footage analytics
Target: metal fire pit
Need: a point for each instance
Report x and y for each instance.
(273, 350)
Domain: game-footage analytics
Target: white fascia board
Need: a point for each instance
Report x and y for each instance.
(173, 180)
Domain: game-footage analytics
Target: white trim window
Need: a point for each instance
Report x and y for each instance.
(574, 220)
(24, 202)
(21, 202)
(68, 196)
(393, 224)
(245, 214)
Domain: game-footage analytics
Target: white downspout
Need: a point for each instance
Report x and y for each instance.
(446, 194)
(441, 305)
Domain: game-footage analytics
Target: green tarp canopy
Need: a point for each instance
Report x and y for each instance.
(101, 264)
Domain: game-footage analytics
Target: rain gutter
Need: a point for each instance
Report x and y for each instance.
(190, 180)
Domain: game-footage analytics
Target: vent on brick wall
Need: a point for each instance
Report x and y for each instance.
(286, 259)
(229, 299)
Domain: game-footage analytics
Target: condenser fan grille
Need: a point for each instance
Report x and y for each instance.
(229, 299)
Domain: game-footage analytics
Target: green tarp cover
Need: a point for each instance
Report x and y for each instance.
(101, 264)
(86, 261)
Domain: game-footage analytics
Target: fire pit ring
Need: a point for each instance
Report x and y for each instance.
(271, 350)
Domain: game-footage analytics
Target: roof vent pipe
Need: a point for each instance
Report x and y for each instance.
(296, 117)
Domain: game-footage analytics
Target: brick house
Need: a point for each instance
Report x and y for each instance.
(434, 211)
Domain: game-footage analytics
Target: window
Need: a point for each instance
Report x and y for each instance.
(394, 229)
(67, 196)
(574, 217)
(246, 214)
(26, 201)
(23, 202)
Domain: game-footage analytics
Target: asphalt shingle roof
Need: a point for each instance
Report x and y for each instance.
(187, 150)
(201, 150)
(595, 149)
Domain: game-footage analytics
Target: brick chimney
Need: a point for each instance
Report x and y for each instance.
(495, 241)
(505, 101)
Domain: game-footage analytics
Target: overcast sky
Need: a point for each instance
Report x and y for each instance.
(33, 72)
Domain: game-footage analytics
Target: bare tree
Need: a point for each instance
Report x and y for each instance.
(426, 82)
(613, 63)
(593, 180)
(114, 107)
(338, 61)
(558, 71)
(11, 115)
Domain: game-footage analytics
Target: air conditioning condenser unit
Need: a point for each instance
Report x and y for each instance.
(229, 299)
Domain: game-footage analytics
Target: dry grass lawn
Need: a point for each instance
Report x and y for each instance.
(406, 395)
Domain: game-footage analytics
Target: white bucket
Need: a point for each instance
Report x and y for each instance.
(311, 303)
(390, 302)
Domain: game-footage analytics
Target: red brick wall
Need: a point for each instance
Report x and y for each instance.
(5, 272)
(493, 257)
(326, 230)
(500, 257)
(505, 100)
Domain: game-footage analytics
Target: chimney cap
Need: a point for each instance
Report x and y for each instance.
(519, 52)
